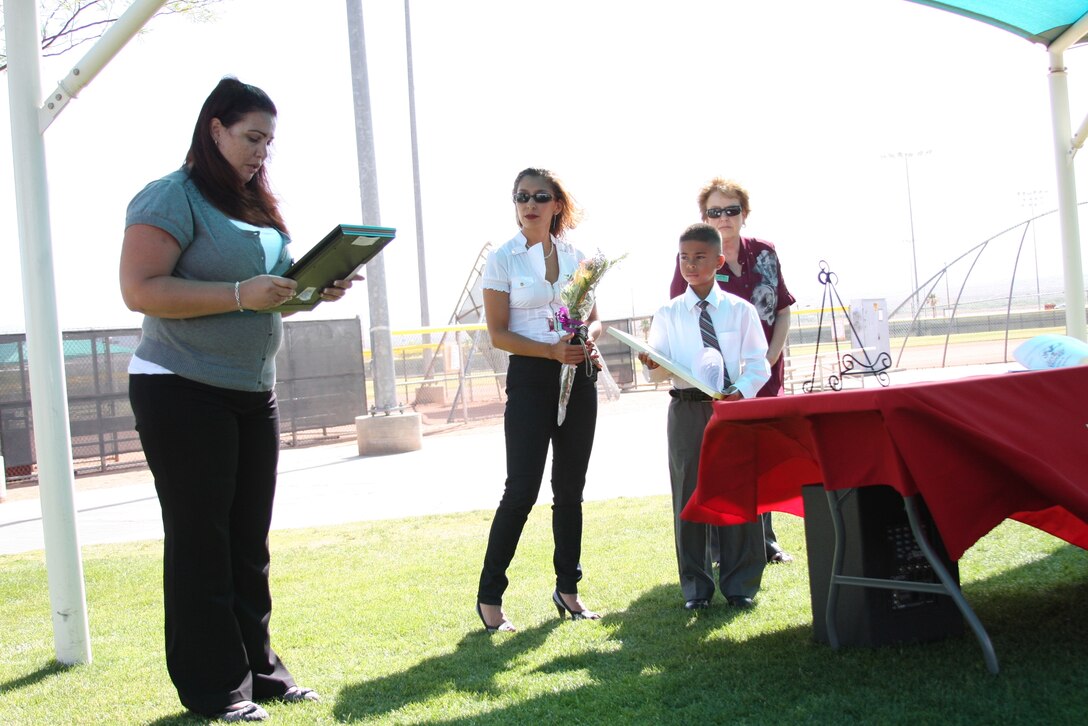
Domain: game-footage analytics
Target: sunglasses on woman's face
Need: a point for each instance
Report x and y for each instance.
(730, 211)
(538, 197)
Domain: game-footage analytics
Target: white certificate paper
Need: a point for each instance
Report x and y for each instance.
(668, 364)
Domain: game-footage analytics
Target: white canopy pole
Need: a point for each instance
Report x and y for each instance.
(45, 349)
(45, 352)
(1067, 196)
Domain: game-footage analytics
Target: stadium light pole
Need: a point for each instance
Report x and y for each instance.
(385, 433)
(906, 156)
(424, 307)
(1031, 200)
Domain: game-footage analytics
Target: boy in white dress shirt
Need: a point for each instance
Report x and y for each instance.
(676, 333)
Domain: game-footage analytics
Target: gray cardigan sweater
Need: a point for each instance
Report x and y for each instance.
(235, 350)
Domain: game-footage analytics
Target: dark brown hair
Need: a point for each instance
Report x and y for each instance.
(570, 215)
(213, 175)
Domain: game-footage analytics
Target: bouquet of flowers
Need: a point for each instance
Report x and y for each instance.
(578, 298)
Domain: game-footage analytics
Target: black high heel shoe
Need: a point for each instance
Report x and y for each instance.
(504, 627)
(562, 607)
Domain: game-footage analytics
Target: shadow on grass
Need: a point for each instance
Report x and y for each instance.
(1035, 602)
(656, 663)
(182, 717)
(472, 672)
(33, 677)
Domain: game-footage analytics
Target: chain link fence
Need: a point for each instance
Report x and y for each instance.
(321, 388)
(449, 375)
(453, 374)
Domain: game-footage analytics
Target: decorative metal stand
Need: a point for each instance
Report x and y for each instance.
(847, 363)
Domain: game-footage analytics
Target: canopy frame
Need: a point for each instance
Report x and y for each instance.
(1058, 25)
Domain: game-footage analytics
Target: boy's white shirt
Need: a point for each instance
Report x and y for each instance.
(675, 334)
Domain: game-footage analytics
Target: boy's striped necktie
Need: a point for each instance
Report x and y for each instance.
(706, 327)
(710, 338)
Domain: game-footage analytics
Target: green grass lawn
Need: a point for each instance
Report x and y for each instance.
(378, 617)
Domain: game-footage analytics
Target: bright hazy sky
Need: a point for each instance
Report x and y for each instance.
(634, 104)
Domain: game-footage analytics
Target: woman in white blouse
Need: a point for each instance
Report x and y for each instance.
(521, 287)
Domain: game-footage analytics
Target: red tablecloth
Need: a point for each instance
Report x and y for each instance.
(978, 450)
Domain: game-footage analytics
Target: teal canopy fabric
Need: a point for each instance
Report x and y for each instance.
(1040, 21)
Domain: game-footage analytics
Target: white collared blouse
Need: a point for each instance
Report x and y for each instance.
(534, 301)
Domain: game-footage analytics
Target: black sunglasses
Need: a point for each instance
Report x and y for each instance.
(538, 197)
(730, 211)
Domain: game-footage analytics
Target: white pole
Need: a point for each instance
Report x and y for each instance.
(1067, 199)
(49, 399)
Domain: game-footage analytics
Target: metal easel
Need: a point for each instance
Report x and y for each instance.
(847, 364)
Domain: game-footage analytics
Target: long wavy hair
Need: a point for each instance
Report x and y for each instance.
(571, 214)
(213, 175)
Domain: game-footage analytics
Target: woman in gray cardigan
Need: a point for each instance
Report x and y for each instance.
(203, 254)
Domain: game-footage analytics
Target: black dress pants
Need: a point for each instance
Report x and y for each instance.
(213, 453)
(532, 387)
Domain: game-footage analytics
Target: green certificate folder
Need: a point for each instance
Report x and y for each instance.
(342, 253)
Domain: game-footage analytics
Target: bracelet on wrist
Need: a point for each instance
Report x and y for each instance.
(238, 296)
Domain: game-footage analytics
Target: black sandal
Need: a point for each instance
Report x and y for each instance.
(242, 711)
(297, 694)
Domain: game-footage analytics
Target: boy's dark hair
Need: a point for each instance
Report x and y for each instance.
(700, 232)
